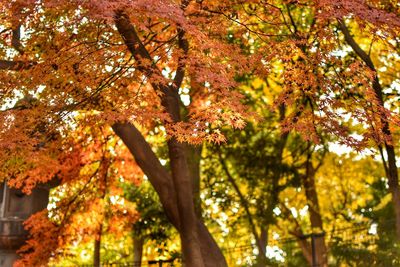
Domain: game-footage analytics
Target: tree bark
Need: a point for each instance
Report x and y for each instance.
(175, 188)
(137, 251)
(162, 181)
(298, 233)
(184, 188)
(262, 246)
(306, 249)
(390, 167)
(158, 176)
(308, 181)
(97, 247)
(193, 159)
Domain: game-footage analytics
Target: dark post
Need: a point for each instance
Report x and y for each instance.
(316, 261)
(314, 255)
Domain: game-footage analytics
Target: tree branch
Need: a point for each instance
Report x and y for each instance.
(169, 97)
(16, 39)
(354, 45)
(16, 65)
(159, 177)
(180, 71)
(243, 201)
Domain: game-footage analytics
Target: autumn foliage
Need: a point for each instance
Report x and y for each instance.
(89, 88)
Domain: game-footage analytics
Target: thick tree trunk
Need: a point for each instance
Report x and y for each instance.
(176, 188)
(188, 220)
(193, 158)
(210, 251)
(137, 251)
(390, 168)
(162, 181)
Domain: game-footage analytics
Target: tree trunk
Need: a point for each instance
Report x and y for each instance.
(184, 198)
(193, 158)
(306, 250)
(262, 246)
(176, 188)
(393, 178)
(161, 179)
(97, 247)
(137, 251)
(308, 180)
(390, 168)
(298, 233)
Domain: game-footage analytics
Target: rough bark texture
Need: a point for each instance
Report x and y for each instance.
(390, 167)
(176, 188)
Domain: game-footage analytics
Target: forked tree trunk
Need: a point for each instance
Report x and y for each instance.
(195, 237)
(174, 188)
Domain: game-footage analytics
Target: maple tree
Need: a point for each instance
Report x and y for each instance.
(318, 193)
(81, 67)
(257, 165)
(318, 85)
(317, 93)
